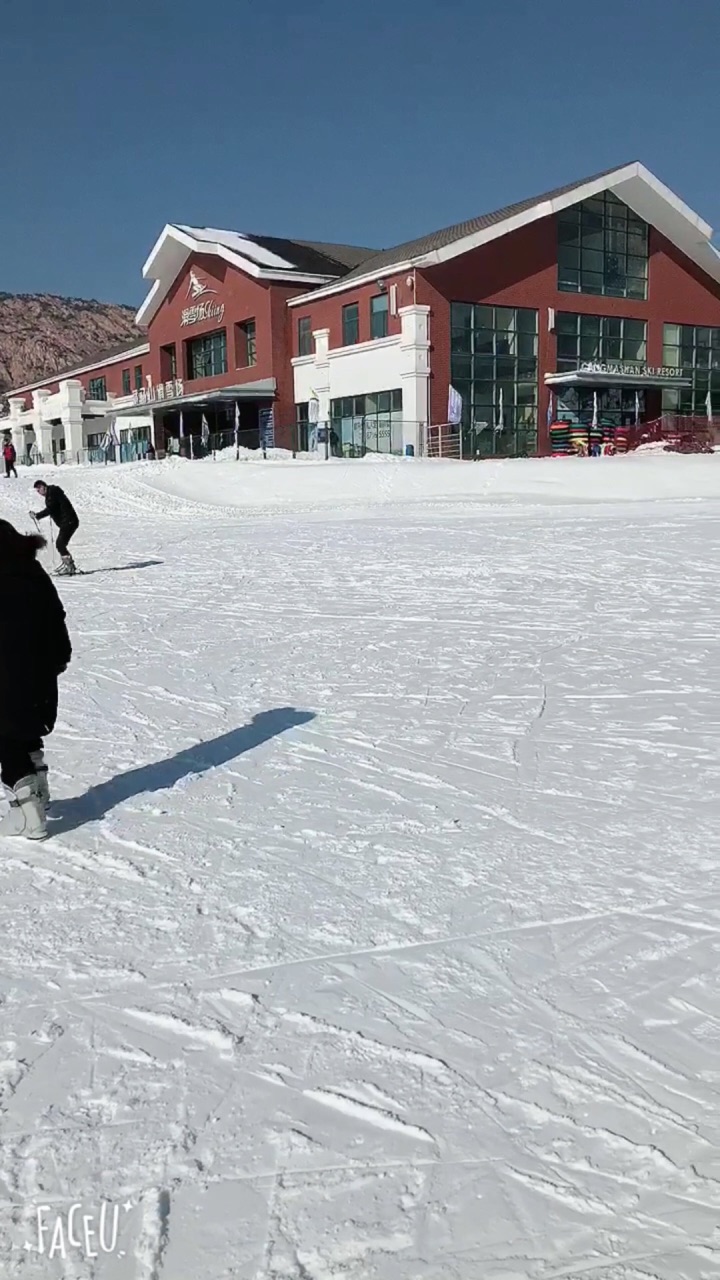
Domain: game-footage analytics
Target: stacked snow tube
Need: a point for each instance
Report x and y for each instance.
(560, 438)
(621, 439)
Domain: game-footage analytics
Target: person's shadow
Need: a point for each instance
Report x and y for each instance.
(163, 774)
(122, 568)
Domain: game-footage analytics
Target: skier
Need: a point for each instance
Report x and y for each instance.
(34, 639)
(62, 512)
(10, 457)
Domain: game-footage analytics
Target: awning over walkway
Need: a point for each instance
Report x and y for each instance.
(263, 389)
(617, 375)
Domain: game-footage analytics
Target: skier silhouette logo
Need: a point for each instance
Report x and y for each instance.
(196, 288)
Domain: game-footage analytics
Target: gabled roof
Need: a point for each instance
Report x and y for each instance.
(632, 183)
(264, 257)
(460, 230)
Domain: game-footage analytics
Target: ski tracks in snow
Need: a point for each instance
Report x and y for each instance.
(419, 989)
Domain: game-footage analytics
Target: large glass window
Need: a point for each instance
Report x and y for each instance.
(494, 366)
(379, 316)
(138, 377)
(207, 356)
(350, 324)
(97, 389)
(695, 349)
(126, 387)
(305, 341)
(602, 338)
(603, 249)
(368, 424)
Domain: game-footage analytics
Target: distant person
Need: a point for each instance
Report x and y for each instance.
(150, 452)
(33, 636)
(63, 514)
(10, 457)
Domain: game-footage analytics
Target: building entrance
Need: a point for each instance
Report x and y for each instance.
(614, 406)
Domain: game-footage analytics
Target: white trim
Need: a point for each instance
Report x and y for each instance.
(130, 354)
(638, 188)
(374, 344)
(340, 286)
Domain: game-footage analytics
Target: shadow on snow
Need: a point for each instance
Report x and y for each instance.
(163, 774)
(121, 568)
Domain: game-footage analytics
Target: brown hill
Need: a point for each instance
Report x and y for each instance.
(41, 334)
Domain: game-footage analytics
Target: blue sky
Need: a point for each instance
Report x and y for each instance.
(368, 123)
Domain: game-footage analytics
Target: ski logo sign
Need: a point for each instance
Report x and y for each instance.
(202, 307)
(197, 288)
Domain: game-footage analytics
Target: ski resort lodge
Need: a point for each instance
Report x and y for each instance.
(599, 301)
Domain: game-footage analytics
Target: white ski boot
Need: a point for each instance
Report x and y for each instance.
(67, 568)
(41, 771)
(26, 815)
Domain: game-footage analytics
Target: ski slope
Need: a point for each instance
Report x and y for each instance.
(378, 935)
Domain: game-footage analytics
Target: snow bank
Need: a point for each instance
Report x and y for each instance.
(283, 483)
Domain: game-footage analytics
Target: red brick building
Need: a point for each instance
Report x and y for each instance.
(599, 299)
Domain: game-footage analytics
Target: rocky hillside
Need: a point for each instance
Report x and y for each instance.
(41, 334)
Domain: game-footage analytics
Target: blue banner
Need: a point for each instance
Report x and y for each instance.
(267, 429)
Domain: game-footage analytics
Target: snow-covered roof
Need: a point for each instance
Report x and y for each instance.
(264, 257)
(240, 244)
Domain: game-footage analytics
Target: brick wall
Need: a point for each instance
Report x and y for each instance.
(326, 313)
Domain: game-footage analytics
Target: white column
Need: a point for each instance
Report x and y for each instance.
(71, 395)
(43, 428)
(321, 385)
(415, 374)
(14, 425)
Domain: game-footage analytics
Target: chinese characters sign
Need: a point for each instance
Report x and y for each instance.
(207, 310)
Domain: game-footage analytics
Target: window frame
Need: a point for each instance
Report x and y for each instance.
(246, 346)
(347, 308)
(168, 357)
(304, 336)
(191, 348)
(702, 368)
(361, 424)
(603, 249)
(610, 331)
(97, 384)
(126, 383)
(382, 313)
(485, 360)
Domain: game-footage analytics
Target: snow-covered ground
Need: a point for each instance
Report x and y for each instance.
(378, 937)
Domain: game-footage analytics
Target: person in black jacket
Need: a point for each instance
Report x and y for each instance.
(34, 649)
(62, 513)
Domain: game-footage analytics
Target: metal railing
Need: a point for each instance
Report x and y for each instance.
(447, 440)
(678, 433)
